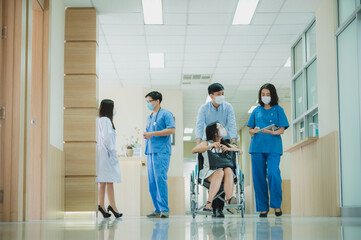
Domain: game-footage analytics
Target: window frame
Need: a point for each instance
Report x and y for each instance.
(305, 116)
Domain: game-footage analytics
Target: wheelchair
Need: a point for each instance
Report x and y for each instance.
(195, 181)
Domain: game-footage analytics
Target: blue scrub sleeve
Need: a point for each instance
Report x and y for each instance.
(252, 122)
(169, 120)
(282, 119)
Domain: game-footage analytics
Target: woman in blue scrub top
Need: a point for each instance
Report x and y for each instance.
(266, 149)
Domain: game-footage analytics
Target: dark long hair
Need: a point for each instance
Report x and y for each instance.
(106, 109)
(212, 133)
(273, 92)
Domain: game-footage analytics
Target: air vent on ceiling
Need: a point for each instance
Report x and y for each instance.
(196, 78)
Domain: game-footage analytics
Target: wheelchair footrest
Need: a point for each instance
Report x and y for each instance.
(233, 206)
(204, 213)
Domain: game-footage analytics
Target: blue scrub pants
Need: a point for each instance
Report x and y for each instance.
(157, 165)
(265, 166)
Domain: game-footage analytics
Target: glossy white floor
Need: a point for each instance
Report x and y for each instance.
(184, 227)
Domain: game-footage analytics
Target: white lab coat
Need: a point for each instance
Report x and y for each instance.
(108, 169)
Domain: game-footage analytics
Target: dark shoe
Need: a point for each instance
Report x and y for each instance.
(105, 214)
(164, 214)
(278, 214)
(219, 213)
(117, 215)
(263, 215)
(154, 215)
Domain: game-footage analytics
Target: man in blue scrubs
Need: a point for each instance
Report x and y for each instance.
(160, 127)
(221, 111)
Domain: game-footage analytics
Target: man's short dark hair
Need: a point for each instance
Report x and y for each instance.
(215, 87)
(155, 96)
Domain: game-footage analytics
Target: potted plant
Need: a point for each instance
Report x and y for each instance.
(132, 143)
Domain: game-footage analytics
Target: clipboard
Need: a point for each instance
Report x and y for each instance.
(270, 127)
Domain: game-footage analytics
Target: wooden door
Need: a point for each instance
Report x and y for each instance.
(1, 117)
(36, 172)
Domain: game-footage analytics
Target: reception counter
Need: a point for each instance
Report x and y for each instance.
(132, 194)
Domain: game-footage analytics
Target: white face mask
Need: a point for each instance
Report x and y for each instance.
(266, 100)
(219, 99)
(222, 132)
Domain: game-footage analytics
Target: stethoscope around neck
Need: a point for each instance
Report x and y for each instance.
(155, 121)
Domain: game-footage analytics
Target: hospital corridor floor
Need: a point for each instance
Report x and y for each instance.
(184, 227)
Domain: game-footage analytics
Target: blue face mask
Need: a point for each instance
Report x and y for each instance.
(150, 106)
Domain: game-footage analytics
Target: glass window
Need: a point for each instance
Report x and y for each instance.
(312, 85)
(313, 125)
(345, 9)
(298, 56)
(311, 41)
(300, 131)
(299, 101)
(349, 112)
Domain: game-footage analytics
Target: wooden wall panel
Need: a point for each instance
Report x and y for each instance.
(80, 91)
(80, 102)
(81, 24)
(315, 189)
(55, 184)
(79, 125)
(80, 194)
(80, 58)
(80, 158)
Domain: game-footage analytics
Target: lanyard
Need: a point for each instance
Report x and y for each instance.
(156, 117)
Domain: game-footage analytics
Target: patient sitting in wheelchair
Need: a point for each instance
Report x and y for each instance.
(212, 173)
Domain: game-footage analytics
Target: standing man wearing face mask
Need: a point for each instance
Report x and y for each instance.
(220, 111)
(160, 126)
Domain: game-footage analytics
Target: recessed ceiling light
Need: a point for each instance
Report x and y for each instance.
(188, 130)
(288, 62)
(152, 11)
(156, 60)
(245, 11)
(187, 138)
(251, 109)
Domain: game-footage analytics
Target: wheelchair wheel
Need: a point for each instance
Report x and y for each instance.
(193, 209)
(243, 209)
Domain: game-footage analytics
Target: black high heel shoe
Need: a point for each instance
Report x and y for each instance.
(105, 214)
(117, 215)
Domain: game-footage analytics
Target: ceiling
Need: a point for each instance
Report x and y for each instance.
(198, 37)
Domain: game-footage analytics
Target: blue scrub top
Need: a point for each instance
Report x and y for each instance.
(163, 119)
(264, 142)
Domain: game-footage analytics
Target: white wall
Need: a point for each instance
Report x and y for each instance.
(56, 72)
(326, 25)
(132, 113)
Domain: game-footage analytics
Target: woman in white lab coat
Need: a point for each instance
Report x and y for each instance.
(108, 170)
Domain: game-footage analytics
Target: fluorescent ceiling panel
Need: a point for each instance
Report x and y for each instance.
(152, 11)
(245, 11)
(156, 60)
